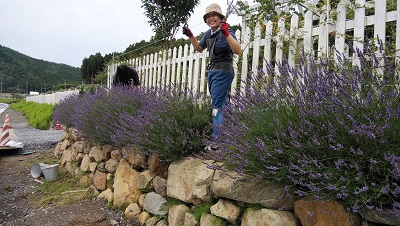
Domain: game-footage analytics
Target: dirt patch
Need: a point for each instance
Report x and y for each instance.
(15, 117)
(17, 186)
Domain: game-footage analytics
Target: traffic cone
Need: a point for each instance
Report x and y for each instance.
(5, 135)
(8, 121)
(58, 126)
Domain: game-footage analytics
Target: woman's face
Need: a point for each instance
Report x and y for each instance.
(213, 20)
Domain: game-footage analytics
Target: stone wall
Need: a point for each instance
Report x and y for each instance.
(143, 187)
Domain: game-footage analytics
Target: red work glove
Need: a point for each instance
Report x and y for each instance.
(224, 28)
(186, 31)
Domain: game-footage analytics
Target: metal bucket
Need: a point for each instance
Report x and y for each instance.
(36, 170)
(50, 172)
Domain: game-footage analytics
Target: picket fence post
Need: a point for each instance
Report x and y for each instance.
(397, 16)
(187, 68)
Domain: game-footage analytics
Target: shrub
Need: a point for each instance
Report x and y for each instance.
(9, 101)
(64, 110)
(170, 123)
(39, 115)
(96, 114)
(323, 129)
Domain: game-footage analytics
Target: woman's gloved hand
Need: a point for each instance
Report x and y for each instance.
(186, 31)
(224, 28)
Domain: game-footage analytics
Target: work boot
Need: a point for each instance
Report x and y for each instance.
(211, 147)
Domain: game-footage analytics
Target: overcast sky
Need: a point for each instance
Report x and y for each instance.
(67, 31)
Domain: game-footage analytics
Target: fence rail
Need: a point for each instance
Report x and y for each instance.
(315, 33)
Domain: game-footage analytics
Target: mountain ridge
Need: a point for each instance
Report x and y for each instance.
(20, 73)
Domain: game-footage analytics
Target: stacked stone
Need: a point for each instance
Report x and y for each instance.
(140, 185)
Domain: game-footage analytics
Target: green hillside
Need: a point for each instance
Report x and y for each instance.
(20, 73)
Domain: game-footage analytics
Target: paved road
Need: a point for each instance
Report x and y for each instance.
(3, 107)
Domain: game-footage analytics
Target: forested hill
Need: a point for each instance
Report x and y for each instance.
(20, 73)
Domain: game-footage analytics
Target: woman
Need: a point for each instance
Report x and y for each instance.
(221, 44)
(126, 76)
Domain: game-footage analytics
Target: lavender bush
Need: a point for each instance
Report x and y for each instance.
(172, 124)
(63, 111)
(327, 130)
(96, 114)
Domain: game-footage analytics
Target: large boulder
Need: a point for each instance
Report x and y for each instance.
(123, 193)
(189, 180)
(251, 190)
(155, 204)
(315, 212)
(100, 153)
(269, 217)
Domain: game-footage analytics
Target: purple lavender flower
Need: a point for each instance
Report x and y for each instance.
(319, 127)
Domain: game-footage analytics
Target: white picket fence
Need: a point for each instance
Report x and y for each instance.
(185, 67)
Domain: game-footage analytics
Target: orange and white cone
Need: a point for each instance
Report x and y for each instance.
(5, 135)
(8, 121)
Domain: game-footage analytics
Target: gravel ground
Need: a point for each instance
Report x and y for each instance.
(34, 140)
(17, 184)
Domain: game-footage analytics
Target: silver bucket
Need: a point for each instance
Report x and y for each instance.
(36, 170)
(50, 172)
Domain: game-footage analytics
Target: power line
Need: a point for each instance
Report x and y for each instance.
(148, 44)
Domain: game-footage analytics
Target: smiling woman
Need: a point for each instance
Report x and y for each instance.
(221, 44)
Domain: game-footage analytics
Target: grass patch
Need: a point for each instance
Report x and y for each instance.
(39, 115)
(52, 193)
(255, 207)
(44, 157)
(201, 209)
(173, 202)
(57, 192)
(9, 100)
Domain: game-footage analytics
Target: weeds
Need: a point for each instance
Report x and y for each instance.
(64, 190)
(39, 115)
(201, 209)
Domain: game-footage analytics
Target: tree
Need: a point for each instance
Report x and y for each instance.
(166, 16)
(91, 67)
(84, 70)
